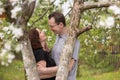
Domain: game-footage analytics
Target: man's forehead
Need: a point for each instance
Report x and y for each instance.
(51, 21)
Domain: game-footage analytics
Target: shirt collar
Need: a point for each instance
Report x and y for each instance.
(64, 36)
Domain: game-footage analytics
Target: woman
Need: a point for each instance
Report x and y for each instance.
(45, 64)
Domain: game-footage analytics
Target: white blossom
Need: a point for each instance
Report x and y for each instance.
(108, 37)
(86, 41)
(117, 25)
(17, 32)
(44, 30)
(95, 52)
(3, 53)
(15, 11)
(1, 3)
(93, 37)
(7, 45)
(8, 32)
(49, 38)
(5, 29)
(14, 2)
(109, 22)
(18, 47)
(1, 11)
(11, 27)
(114, 9)
(2, 62)
(102, 23)
(10, 57)
(28, 24)
(1, 35)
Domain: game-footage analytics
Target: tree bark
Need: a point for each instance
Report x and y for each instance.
(89, 5)
(62, 72)
(27, 53)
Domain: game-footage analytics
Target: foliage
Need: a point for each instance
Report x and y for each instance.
(98, 44)
(107, 73)
(15, 71)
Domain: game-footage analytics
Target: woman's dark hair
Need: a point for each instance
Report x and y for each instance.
(59, 17)
(34, 38)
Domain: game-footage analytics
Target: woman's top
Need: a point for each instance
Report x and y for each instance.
(40, 54)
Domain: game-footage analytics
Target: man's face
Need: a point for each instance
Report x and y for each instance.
(53, 26)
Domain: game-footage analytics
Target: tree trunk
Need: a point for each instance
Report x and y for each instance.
(27, 53)
(29, 60)
(67, 51)
(73, 33)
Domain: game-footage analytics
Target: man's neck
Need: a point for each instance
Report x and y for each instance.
(64, 31)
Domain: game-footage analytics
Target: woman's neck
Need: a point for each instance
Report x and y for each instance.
(45, 46)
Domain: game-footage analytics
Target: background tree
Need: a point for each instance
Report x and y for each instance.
(78, 7)
(79, 11)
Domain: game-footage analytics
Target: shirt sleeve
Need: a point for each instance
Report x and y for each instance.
(76, 50)
(39, 55)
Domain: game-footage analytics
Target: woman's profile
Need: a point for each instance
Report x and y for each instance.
(45, 64)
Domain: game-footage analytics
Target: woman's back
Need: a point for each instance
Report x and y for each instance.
(40, 54)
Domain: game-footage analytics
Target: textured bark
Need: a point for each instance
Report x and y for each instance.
(98, 4)
(28, 59)
(73, 33)
(27, 53)
(69, 43)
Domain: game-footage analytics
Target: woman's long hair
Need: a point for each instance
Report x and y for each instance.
(34, 38)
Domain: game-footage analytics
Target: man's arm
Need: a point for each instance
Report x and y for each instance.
(75, 55)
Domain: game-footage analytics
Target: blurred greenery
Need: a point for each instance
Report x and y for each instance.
(15, 71)
(99, 56)
(97, 74)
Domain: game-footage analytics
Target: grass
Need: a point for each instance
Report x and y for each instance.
(15, 71)
(98, 74)
(105, 76)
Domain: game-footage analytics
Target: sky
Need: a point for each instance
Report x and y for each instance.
(65, 6)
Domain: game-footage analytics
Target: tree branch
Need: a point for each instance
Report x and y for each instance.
(27, 9)
(88, 5)
(84, 30)
(41, 17)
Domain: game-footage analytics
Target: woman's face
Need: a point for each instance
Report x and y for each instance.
(42, 35)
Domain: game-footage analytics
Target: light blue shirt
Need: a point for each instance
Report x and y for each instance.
(57, 49)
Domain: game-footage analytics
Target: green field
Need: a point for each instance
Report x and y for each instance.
(15, 71)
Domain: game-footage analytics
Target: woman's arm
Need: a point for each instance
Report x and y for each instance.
(46, 72)
(46, 76)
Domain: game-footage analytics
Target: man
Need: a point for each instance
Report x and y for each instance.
(58, 26)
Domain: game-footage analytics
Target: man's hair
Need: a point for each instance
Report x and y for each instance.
(59, 17)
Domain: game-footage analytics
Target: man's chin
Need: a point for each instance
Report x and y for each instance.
(55, 33)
